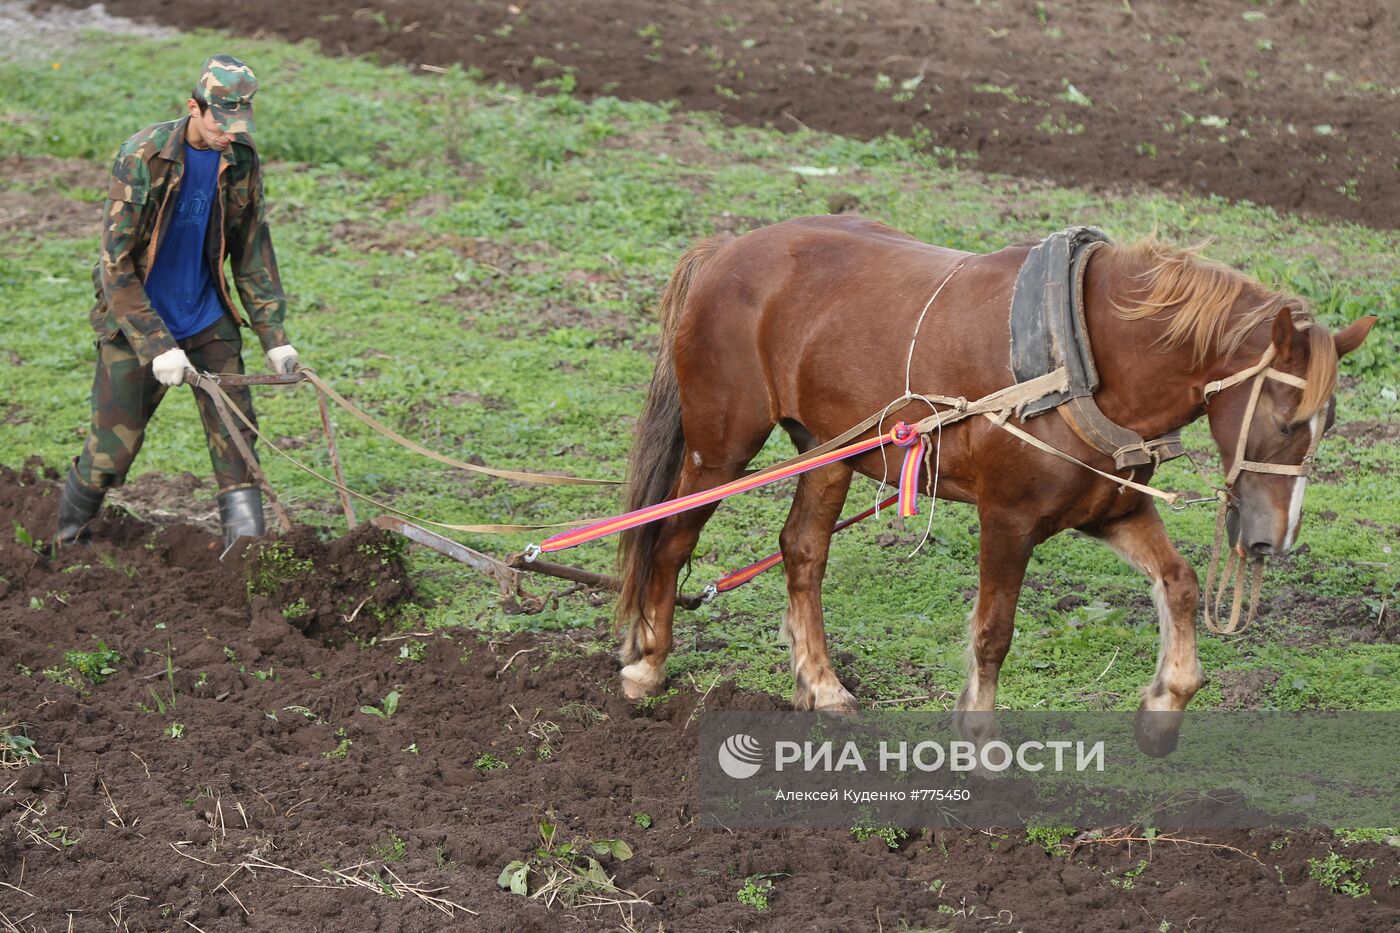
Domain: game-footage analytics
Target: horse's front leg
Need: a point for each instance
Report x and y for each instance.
(1141, 539)
(1004, 550)
(806, 542)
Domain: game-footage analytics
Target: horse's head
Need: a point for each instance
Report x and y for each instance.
(1268, 419)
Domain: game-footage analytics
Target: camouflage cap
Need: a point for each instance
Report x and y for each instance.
(227, 86)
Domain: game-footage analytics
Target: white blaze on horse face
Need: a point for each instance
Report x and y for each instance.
(1295, 502)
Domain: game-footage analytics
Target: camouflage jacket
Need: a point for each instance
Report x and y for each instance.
(145, 181)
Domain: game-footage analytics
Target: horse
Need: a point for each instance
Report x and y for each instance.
(807, 325)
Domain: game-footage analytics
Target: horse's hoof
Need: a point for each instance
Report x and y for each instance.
(976, 726)
(833, 699)
(641, 680)
(847, 707)
(1157, 732)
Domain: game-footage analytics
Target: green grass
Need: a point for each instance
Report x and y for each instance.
(475, 266)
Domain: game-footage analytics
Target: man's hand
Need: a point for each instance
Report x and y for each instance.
(169, 368)
(282, 359)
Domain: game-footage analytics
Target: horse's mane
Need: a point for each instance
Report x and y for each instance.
(1199, 295)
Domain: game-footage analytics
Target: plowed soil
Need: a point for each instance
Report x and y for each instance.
(225, 775)
(1291, 105)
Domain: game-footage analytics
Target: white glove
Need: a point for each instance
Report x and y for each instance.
(282, 359)
(169, 368)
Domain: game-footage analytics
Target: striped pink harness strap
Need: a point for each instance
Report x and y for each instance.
(902, 435)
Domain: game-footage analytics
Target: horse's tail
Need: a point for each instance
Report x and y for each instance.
(658, 444)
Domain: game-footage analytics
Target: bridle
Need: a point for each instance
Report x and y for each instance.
(1235, 558)
(1260, 372)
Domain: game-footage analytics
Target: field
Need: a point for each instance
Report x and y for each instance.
(476, 263)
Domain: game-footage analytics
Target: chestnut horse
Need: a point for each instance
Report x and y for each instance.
(807, 324)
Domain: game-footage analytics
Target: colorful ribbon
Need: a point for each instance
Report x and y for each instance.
(914, 444)
(902, 435)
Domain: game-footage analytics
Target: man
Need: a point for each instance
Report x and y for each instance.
(185, 195)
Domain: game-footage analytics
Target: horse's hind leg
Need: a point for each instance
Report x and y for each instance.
(1141, 539)
(647, 642)
(806, 541)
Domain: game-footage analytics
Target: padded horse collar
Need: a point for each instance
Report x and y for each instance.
(1048, 331)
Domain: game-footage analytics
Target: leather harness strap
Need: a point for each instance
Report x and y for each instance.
(1083, 415)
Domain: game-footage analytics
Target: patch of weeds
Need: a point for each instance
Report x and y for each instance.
(60, 834)
(1129, 877)
(306, 713)
(1074, 95)
(866, 827)
(96, 665)
(386, 707)
(413, 650)
(161, 706)
(1051, 838)
(342, 748)
(564, 84)
(65, 678)
(1369, 834)
(273, 567)
(392, 849)
(108, 560)
(1059, 125)
(25, 539)
(16, 751)
(1341, 875)
(567, 872)
(387, 548)
(176, 730)
(583, 714)
(488, 762)
(547, 734)
(652, 702)
(297, 610)
(642, 819)
(756, 889)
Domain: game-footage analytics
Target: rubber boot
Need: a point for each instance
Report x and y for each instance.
(77, 507)
(241, 514)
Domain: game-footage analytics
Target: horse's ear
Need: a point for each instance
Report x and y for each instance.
(1284, 332)
(1352, 337)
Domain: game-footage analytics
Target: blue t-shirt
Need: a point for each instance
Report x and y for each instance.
(180, 284)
